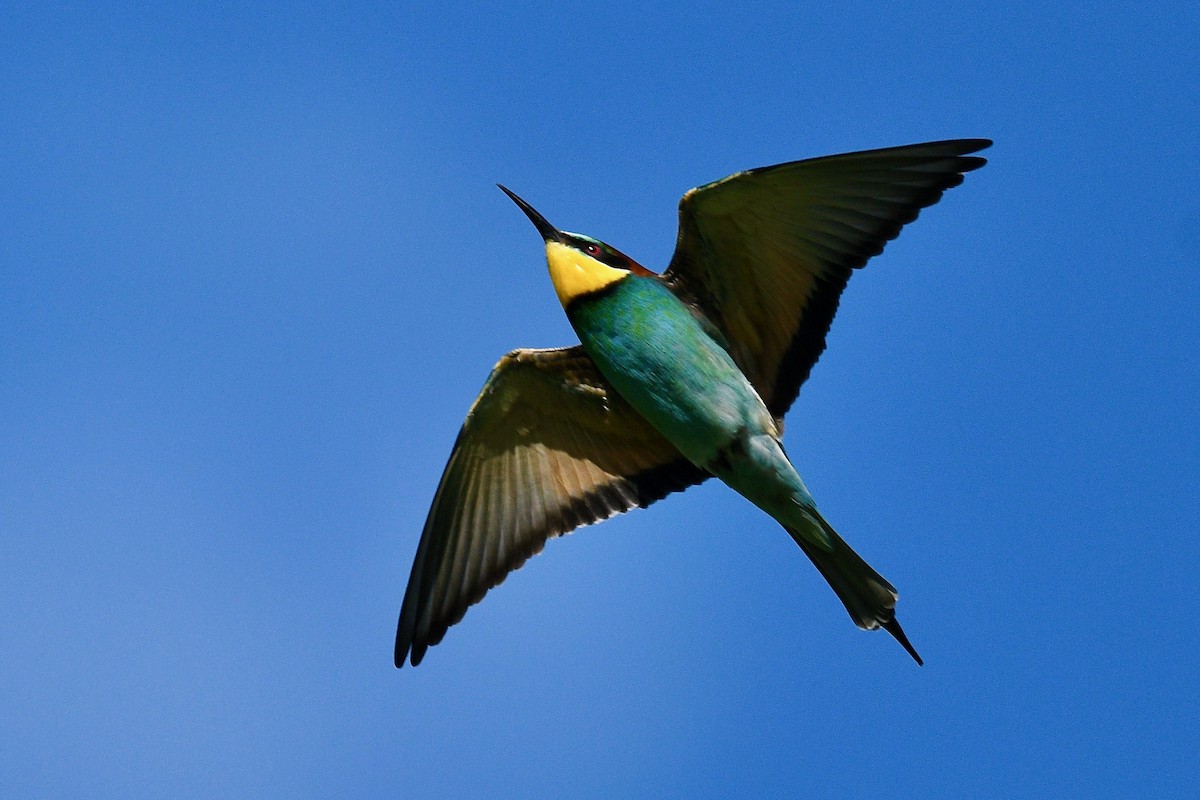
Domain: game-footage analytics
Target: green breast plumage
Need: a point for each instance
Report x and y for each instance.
(655, 353)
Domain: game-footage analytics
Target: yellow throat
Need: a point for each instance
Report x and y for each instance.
(575, 274)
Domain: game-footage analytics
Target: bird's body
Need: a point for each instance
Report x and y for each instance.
(664, 364)
(662, 361)
(678, 377)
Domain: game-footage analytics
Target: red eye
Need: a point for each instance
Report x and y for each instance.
(593, 249)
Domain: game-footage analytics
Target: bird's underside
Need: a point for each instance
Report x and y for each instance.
(761, 260)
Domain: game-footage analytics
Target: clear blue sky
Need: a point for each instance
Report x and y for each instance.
(253, 271)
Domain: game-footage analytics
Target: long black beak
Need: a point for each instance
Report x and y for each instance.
(548, 231)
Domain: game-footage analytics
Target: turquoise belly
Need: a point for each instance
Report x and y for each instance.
(658, 357)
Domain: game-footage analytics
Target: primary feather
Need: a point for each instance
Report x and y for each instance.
(766, 253)
(547, 447)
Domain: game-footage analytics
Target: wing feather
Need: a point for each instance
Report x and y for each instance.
(765, 254)
(547, 447)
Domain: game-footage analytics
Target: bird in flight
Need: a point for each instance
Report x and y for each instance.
(678, 377)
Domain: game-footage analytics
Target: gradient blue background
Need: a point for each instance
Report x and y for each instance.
(253, 271)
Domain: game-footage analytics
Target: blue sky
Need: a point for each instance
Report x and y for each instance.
(253, 271)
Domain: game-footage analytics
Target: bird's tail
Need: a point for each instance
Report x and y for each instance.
(869, 598)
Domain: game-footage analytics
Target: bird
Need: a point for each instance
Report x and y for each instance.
(678, 377)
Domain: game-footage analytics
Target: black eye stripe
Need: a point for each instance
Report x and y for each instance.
(603, 253)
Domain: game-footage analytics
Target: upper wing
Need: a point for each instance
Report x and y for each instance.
(765, 254)
(546, 447)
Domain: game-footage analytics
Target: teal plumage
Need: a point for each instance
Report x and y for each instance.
(678, 377)
(656, 355)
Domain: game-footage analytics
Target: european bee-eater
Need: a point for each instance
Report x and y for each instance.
(678, 377)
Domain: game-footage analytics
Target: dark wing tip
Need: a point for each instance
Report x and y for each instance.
(964, 146)
(962, 149)
(948, 147)
(408, 648)
(920, 152)
(418, 654)
(404, 642)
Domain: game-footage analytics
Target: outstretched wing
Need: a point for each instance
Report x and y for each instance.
(548, 446)
(765, 254)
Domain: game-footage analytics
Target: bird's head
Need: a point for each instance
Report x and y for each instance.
(579, 265)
